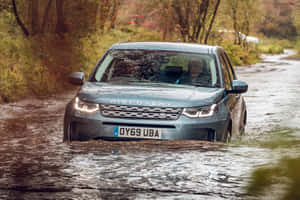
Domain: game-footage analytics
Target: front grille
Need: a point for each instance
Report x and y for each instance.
(140, 112)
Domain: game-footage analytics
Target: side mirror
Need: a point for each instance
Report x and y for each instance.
(239, 87)
(76, 78)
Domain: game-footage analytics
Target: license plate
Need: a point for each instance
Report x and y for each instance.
(137, 132)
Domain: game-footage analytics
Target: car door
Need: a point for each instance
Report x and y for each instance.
(228, 77)
(231, 72)
(238, 106)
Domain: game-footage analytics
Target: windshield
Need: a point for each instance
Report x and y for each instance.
(140, 66)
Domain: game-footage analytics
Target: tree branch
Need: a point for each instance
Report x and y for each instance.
(25, 31)
(45, 19)
(212, 21)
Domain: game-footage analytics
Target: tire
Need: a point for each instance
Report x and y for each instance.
(243, 124)
(227, 135)
(67, 134)
(70, 133)
(211, 136)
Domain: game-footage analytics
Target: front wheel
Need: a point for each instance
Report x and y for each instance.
(243, 124)
(70, 133)
(227, 135)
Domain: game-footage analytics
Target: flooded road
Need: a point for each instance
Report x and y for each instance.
(35, 164)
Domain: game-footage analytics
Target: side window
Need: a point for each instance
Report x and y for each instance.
(103, 67)
(227, 68)
(225, 73)
(230, 68)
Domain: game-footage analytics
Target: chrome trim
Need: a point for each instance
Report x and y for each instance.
(140, 112)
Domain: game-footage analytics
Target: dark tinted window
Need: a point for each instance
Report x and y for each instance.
(227, 68)
(225, 73)
(229, 65)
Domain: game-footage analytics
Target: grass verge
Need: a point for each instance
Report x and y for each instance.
(274, 46)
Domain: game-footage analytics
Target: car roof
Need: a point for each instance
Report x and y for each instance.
(167, 46)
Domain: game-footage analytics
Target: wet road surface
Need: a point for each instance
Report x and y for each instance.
(35, 164)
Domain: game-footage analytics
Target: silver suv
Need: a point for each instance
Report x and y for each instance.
(161, 91)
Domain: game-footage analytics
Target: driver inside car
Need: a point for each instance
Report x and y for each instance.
(197, 73)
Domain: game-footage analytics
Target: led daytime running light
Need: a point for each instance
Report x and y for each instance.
(200, 112)
(85, 107)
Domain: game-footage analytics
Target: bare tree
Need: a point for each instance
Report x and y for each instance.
(61, 16)
(195, 18)
(296, 15)
(104, 9)
(243, 15)
(115, 10)
(166, 28)
(20, 23)
(60, 25)
(35, 20)
(46, 16)
(212, 21)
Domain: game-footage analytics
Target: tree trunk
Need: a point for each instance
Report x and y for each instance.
(187, 19)
(104, 11)
(235, 25)
(204, 9)
(197, 24)
(60, 25)
(93, 18)
(166, 28)
(297, 16)
(181, 21)
(114, 15)
(20, 23)
(212, 21)
(35, 20)
(46, 15)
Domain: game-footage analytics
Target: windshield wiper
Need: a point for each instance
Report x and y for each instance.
(153, 82)
(123, 78)
(201, 85)
(139, 81)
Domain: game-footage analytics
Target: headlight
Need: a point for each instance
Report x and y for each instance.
(85, 107)
(205, 111)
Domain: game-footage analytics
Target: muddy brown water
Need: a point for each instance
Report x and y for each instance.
(35, 164)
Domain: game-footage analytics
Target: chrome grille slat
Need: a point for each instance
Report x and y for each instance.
(140, 112)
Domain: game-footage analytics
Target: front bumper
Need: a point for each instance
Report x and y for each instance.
(95, 126)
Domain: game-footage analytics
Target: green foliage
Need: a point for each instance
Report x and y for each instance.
(286, 44)
(22, 73)
(239, 55)
(270, 49)
(285, 174)
(141, 34)
(273, 46)
(241, 15)
(21, 69)
(5, 5)
(38, 80)
(11, 83)
(12, 51)
(295, 45)
(261, 179)
(297, 48)
(280, 137)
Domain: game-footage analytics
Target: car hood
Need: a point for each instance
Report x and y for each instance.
(149, 95)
